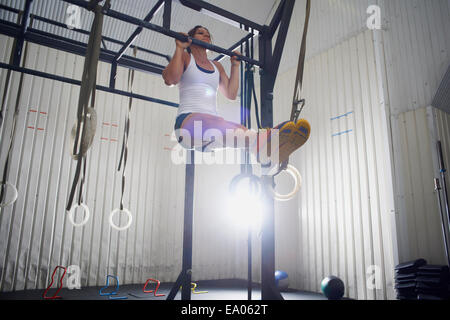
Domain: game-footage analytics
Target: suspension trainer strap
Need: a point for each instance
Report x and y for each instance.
(253, 91)
(87, 91)
(247, 86)
(300, 69)
(124, 155)
(83, 179)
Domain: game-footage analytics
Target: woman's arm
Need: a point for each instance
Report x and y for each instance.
(174, 70)
(229, 86)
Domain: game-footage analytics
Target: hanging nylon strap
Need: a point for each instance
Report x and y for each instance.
(8, 74)
(296, 110)
(87, 91)
(16, 112)
(247, 88)
(124, 154)
(83, 159)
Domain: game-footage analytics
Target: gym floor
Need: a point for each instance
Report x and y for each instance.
(216, 290)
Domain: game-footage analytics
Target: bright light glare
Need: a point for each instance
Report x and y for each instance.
(244, 210)
(210, 92)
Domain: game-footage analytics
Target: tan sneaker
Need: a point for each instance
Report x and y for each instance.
(284, 134)
(296, 139)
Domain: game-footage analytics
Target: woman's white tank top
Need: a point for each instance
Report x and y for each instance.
(198, 89)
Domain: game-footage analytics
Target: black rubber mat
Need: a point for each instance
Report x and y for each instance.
(215, 290)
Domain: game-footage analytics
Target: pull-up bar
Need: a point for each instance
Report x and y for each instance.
(126, 18)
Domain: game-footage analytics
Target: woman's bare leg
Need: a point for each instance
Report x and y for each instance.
(226, 134)
(204, 128)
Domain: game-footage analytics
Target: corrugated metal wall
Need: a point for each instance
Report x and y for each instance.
(331, 22)
(36, 235)
(341, 221)
(413, 57)
(416, 52)
(344, 210)
(418, 222)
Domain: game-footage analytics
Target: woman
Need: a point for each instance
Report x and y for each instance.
(198, 79)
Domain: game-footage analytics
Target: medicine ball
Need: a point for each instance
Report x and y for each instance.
(333, 288)
(281, 280)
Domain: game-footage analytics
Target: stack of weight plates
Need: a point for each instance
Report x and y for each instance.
(405, 279)
(432, 282)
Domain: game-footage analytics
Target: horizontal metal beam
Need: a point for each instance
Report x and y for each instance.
(78, 83)
(79, 48)
(10, 29)
(3, 7)
(167, 32)
(85, 32)
(136, 33)
(18, 48)
(176, 35)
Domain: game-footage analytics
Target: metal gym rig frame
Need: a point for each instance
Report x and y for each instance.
(269, 62)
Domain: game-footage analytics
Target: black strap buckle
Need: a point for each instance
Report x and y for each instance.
(297, 108)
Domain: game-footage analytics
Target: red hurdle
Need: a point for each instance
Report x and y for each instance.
(156, 289)
(55, 296)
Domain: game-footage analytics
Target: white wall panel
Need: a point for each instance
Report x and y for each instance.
(416, 53)
(417, 50)
(419, 231)
(344, 214)
(331, 22)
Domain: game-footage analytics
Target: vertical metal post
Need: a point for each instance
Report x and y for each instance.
(185, 276)
(249, 265)
(271, 61)
(113, 74)
(167, 13)
(21, 39)
(268, 289)
(267, 80)
(188, 227)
